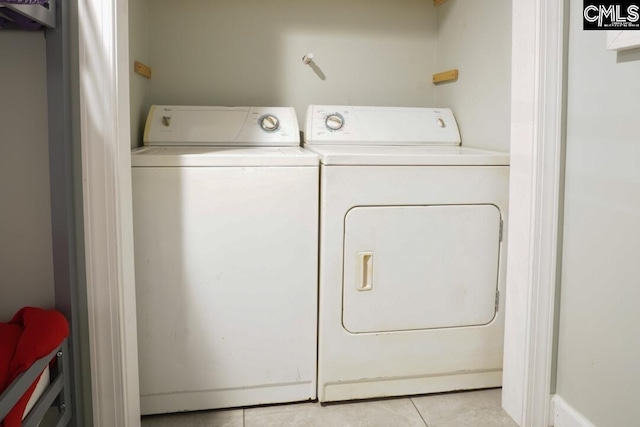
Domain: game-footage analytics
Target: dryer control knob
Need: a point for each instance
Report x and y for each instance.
(269, 123)
(334, 121)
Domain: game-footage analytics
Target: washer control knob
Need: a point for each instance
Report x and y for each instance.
(269, 123)
(334, 121)
(166, 120)
(441, 123)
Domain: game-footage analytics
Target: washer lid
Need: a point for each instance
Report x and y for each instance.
(217, 126)
(222, 156)
(407, 155)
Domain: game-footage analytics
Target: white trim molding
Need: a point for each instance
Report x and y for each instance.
(535, 197)
(565, 415)
(106, 177)
(622, 40)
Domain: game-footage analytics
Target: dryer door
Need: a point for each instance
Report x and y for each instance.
(420, 267)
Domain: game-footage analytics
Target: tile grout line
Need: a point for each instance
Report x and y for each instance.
(419, 413)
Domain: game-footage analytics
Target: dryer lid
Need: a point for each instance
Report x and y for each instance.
(350, 125)
(352, 155)
(221, 126)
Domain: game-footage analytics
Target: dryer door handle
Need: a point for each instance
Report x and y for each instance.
(364, 281)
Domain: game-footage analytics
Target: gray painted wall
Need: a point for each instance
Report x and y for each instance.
(26, 262)
(228, 52)
(372, 52)
(138, 51)
(475, 38)
(599, 342)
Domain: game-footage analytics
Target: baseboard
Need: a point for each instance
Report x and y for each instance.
(565, 415)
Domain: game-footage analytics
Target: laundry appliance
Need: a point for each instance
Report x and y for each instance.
(225, 226)
(412, 253)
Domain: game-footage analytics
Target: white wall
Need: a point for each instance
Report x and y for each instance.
(229, 52)
(26, 263)
(139, 86)
(599, 341)
(474, 36)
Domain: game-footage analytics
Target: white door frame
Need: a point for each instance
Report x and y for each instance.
(536, 132)
(538, 54)
(103, 56)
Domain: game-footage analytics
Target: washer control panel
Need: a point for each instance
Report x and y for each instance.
(221, 126)
(334, 124)
(334, 121)
(269, 123)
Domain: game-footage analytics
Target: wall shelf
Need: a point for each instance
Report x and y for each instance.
(445, 76)
(43, 13)
(142, 69)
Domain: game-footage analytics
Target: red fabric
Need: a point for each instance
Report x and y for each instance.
(40, 332)
(9, 337)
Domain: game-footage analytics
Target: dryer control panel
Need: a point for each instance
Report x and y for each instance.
(221, 126)
(335, 124)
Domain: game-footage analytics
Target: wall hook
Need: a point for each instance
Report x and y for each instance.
(307, 59)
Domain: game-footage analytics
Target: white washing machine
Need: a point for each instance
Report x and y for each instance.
(412, 253)
(225, 225)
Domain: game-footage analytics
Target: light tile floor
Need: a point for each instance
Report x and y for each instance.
(462, 409)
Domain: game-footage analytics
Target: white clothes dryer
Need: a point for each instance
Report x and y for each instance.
(225, 227)
(412, 253)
